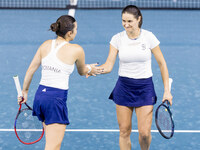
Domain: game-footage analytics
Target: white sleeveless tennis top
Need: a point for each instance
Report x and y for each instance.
(55, 73)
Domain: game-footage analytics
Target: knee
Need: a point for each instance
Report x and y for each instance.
(125, 131)
(144, 135)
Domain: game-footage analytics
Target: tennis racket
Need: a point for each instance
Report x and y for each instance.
(163, 118)
(28, 128)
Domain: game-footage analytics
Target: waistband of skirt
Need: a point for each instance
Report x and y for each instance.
(51, 90)
(127, 80)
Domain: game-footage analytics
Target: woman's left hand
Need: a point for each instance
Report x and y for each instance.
(167, 96)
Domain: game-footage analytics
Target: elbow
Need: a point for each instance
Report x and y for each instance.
(162, 65)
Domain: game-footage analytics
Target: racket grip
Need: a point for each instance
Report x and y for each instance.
(17, 85)
(170, 83)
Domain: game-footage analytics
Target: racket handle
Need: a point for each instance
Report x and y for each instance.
(17, 84)
(170, 83)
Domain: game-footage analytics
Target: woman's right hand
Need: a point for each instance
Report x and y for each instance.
(167, 96)
(95, 70)
(23, 98)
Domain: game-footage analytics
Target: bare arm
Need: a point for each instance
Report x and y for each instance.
(108, 66)
(84, 68)
(29, 74)
(80, 62)
(31, 70)
(164, 72)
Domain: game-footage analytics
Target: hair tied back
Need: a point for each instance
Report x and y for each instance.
(54, 27)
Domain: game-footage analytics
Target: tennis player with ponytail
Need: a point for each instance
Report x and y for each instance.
(57, 58)
(134, 89)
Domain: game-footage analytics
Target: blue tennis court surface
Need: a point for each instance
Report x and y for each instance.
(22, 31)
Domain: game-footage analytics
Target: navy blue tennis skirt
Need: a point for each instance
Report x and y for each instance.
(50, 105)
(134, 92)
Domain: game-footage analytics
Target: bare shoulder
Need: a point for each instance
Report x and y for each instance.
(76, 48)
(46, 44)
(45, 48)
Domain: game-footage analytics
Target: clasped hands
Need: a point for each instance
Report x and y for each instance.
(95, 70)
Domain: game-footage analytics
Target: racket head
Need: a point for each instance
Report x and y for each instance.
(28, 128)
(164, 121)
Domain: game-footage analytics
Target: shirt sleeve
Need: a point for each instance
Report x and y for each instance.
(115, 41)
(153, 41)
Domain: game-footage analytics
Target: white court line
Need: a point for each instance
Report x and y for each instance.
(102, 130)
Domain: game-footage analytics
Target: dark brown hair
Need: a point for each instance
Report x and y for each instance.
(63, 24)
(135, 11)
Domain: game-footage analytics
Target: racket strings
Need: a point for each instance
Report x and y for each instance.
(28, 127)
(164, 121)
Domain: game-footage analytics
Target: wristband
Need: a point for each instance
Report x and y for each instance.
(89, 67)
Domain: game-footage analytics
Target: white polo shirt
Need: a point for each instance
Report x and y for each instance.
(135, 54)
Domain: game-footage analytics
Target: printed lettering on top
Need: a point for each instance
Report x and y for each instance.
(50, 68)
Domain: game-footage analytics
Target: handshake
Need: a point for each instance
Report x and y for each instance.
(94, 69)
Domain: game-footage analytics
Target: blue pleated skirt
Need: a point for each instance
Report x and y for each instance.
(134, 92)
(50, 105)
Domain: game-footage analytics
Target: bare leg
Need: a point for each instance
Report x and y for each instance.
(44, 126)
(144, 117)
(54, 134)
(124, 117)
